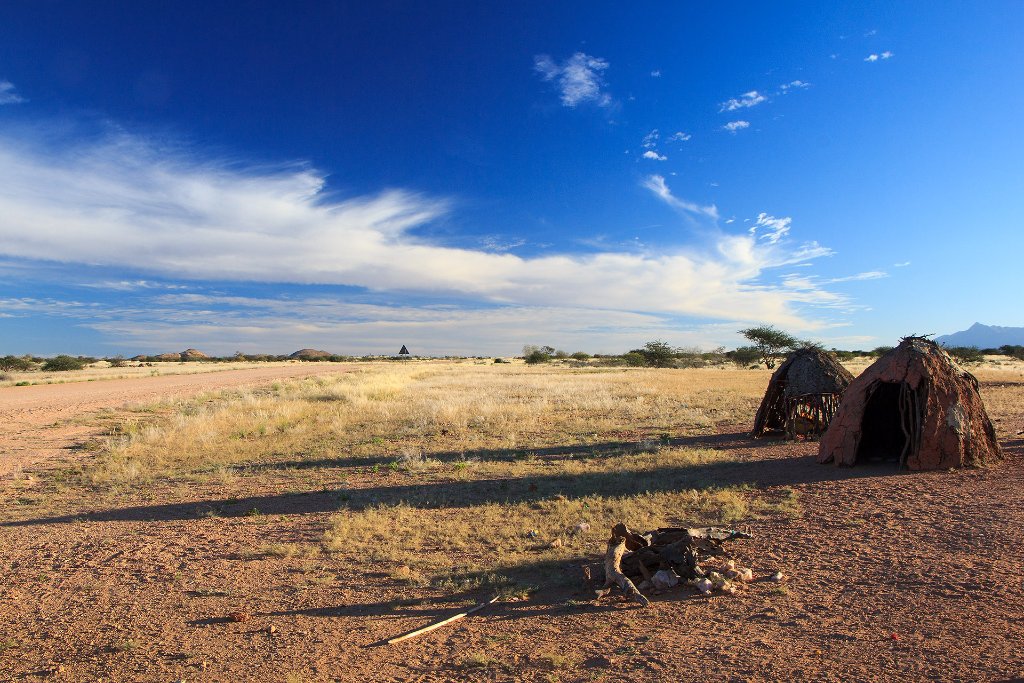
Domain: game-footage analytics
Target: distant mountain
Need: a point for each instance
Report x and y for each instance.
(984, 337)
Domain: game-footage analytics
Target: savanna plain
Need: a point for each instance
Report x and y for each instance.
(283, 528)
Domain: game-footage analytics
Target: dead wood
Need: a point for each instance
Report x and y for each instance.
(676, 549)
(613, 572)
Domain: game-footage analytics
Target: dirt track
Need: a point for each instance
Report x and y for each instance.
(45, 420)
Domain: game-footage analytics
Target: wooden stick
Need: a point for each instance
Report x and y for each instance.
(439, 624)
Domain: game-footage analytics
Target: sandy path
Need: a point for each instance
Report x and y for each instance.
(41, 421)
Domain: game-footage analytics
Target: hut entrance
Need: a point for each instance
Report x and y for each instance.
(891, 425)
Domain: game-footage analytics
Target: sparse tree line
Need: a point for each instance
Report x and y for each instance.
(768, 346)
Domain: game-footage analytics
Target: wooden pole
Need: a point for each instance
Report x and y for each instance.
(443, 622)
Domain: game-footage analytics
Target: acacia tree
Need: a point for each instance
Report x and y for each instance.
(770, 342)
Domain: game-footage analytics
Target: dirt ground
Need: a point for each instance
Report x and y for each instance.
(43, 421)
(891, 576)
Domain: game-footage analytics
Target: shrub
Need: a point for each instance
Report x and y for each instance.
(879, 351)
(580, 355)
(634, 359)
(117, 361)
(63, 363)
(538, 354)
(744, 355)
(966, 354)
(14, 364)
(1012, 350)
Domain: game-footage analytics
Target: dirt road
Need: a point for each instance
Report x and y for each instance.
(41, 421)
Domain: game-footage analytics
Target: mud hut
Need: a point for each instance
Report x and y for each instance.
(803, 394)
(914, 407)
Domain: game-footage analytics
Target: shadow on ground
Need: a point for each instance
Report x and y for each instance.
(762, 472)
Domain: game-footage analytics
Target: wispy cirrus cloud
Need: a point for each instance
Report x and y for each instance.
(8, 94)
(579, 79)
(123, 203)
(679, 136)
(869, 275)
(770, 228)
(744, 101)
(657, 185)
(734, 126)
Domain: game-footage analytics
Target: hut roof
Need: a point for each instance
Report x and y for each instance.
(805, 371)
(915, 406)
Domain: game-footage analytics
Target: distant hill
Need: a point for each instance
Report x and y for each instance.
(984, 337)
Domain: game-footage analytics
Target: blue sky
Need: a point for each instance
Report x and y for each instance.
(466, 178)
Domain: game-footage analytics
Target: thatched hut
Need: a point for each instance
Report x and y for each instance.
(803, 394)
(915, 407)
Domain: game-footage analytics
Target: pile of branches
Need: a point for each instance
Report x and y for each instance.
(662, 558)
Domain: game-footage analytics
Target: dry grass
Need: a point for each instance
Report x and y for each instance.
(407, 411)
(457, 474)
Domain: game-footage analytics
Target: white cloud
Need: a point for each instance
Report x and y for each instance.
(651, 139)
(904, 264)
(651, 154)
(871, 58)
(793, 85)
(656, 73)
(772, 229)
(679, 136)
(886, 55)
(874, 58)
(656, 184)
(578, 78)
(124, 204)
(870, 275)
(746, 100)
(872, 32)
(7, 94)
(734, 126)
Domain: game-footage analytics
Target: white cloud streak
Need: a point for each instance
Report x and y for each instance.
(679, 136)
(651, 154)
(8, 94)
(771, 229)
(578, 79)
(125, 204)
(656, 184)
(734, 126)
(744, 101)
(874, 58)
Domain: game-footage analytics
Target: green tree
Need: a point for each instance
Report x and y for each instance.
(966, 354)
(658, 354)
(15, 364)
(63, 363)
(744, 355)
(771, 343)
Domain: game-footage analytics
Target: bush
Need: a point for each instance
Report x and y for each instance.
(117, 362)
(1012, 350)
(966, 354)
(14, 364)
(580, 355)
(538, 354)
(63, 363)
(744, 355)
(879, 351)
(634, 359)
